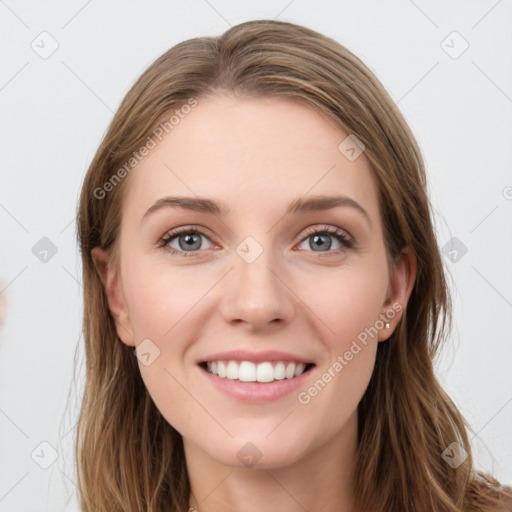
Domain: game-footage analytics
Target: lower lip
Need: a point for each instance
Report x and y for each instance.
(257, 392)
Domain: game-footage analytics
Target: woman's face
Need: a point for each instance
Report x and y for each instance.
(259, 279)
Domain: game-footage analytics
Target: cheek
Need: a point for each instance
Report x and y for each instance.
(332, 399)
(349, 307)
(161, 306)
(351, 313)
(160, 300)
(347, 303)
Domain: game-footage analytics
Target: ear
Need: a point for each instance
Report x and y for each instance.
(400, 287)
(114, 293)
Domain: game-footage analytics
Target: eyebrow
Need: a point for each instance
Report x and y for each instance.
(299, 205)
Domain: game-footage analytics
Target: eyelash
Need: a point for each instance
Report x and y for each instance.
(341, 236)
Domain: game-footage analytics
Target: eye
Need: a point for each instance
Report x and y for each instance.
(188, 240)
(322, 239)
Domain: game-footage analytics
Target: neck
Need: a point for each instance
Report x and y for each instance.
(321, 480)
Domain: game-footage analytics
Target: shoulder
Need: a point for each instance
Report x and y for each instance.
(492, 488)
(505, 496)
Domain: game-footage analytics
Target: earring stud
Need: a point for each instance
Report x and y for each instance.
(387, 325)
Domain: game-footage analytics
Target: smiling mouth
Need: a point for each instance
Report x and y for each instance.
(264, 372)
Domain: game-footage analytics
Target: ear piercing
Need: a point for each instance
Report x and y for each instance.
(387, 325)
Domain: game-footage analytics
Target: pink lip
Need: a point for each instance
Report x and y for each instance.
(255, 357)
(257, 392)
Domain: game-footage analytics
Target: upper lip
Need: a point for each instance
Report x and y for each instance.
(255, 357)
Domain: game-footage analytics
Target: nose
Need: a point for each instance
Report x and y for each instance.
(257, 294)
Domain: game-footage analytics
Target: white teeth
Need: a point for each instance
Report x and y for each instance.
(265, 372)
(221, 369)
(299, 369)
(279, 369)
(247, 371)
(232, 370)
(290, 371)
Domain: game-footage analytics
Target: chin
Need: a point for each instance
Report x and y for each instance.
(258, 453)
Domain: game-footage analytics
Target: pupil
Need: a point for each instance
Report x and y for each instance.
(317, 238)
(190, 241)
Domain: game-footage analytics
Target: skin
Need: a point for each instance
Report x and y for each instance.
(294, 297)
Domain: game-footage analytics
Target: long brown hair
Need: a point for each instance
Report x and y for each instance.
(128, 456)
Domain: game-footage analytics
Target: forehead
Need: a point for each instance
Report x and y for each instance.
(244, 150)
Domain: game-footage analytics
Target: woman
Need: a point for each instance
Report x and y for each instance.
(236, 358)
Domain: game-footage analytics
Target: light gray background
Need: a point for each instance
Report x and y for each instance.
(54, 112)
